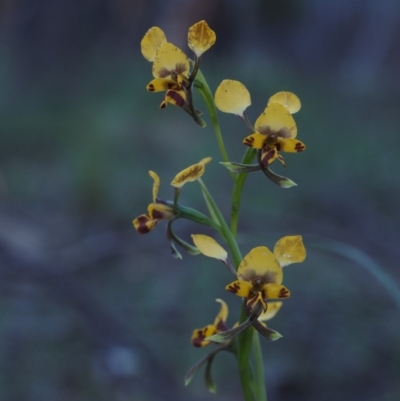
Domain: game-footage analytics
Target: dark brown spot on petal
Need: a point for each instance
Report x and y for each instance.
(142, 228)
(150, 87)
(266, 157)
(221, 326)
(283, 293)
(164, 73)
(196, 341)
(248, 141)
(299, 147)
(234, 288)
(180, 68)
(156, 214)
(176, 97)
(284, 133)
(265, 130)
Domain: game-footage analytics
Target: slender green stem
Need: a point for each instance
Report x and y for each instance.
(249, 386)
(205, 92)
(224, 228)
(259, 367)
(238, 189)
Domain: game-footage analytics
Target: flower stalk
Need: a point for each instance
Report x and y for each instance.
(258, 276)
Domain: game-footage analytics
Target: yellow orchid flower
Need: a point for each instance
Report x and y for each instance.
(164, 210)
(171, 66)
(157, 210)
(275, 131)
(199, 335)
(259, 278)
(260, 273)
(219, 325)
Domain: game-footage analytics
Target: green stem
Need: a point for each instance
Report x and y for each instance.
(245, 339)
(244, 349)
(224, 228)
(205, 92)
(237, 190)
(259, 367)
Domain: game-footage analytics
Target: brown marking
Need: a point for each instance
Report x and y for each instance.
(284, 133)
(234, 288)
(299, 147)
(283, 293)
(180, 68)
(197, 341)
(142, 228)
(163, 72)
(150, 87)
(177, 98)
(156, 214)
(193, 172)
(221, 326)
(248, 141)
(266, 157)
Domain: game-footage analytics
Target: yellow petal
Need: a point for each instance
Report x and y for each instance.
(275, 291)
(276, 119)
(156, 184)
(151, 41)
(255, 140)
(260, 263)
(287, 99)
(159, 211)
(240, 288)
(272, 310)
(200, 38)
(289, 250)
(232, 97)
(170, 60)
(206, 160)
(144, 224)
(162, 84)
(290, 145)
(191, 173)
(209, 247)
(199, 335)
(220, 320)
(175, 97)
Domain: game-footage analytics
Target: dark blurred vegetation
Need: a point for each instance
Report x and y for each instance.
(90, 310)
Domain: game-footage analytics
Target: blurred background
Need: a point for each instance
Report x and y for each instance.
(90, 309)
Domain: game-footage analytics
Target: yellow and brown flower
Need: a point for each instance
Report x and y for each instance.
(172, 68)
(259, 278)
(199, 335)
(157, 210)
(275, 131)
(164, 210)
